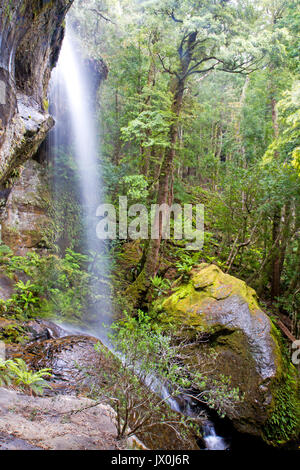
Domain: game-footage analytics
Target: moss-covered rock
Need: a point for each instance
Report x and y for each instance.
(247, 346)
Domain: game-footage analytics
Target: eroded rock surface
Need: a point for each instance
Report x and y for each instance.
(70, 358)
(25, 222)
(56, 423)
(31, 37)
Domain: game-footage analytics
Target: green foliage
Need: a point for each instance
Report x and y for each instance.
(16, 373)
(145, 358)
(57, 287)
(149, 357)
(66, 284)
(221, 394)
(6, 374)
(237, 151)
(66, 211)
(185, 265)
(26, 296)
(136, 188)
(12, 333)
(161, 286)
(283, 425)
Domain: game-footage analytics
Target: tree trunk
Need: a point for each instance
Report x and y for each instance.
(139, 288)
(275, 263)
(165, 189)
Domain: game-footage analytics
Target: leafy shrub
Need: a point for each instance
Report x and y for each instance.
(57, 287)
(148, 357)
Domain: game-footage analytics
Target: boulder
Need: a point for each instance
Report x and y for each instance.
(57, 423)
(14, 332)
(225, 331)
(69, 358)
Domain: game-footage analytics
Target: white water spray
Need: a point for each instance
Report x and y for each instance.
(211, 439)
(86, 145)
(75, 134)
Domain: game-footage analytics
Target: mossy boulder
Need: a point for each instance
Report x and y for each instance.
(225, 312)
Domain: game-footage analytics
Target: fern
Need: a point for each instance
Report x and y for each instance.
(16, 372)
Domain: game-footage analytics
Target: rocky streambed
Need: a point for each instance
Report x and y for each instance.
(216, 316)
(49, 422)
(61, 419)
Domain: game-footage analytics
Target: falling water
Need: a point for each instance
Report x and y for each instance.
(71, 89)
(86, 145)
(211, 439)
(73, 99)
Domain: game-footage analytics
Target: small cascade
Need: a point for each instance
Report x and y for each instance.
(186, 406)
(211, 439)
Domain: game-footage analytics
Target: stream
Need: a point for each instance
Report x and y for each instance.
(71, 88)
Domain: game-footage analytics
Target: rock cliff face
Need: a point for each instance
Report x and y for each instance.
(31, 36)
(25, 223)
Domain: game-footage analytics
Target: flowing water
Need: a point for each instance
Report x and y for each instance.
(75, 129)
(211, 439)
(75, 133)
(77, 84)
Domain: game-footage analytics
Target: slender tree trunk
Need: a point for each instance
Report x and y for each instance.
(146, 151)
(118, 144)
(165, 189)
(276, 262)
(139, 288)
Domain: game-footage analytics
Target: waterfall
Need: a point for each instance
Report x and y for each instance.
(72, 97)
(211, 439)
(75, 129)
(83, 130)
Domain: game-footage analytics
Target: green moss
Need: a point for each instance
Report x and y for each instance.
(283, 424)
(210, 279)
(13, 333)
(131, 255)
(190, 306)
(138, 288)
(46, 105)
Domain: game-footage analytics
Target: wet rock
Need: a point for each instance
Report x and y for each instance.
(14, 332)
(77, 369)
(6, 287)
(238, 341)
(25, 220)
(40, 330)
(31, 37)
(69, 358)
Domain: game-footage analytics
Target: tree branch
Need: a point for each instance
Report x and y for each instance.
(166, 69)
(98, 13)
